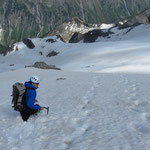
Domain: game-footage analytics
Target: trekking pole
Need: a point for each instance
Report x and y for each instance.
(47, 108)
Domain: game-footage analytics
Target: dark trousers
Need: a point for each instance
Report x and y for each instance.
(25, 114)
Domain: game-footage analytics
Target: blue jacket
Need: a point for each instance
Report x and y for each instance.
(30, 96)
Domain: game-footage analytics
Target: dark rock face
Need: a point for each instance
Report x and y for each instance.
(53, 53)
(51, 40)
(28, 43)
(41, 53)
(43, 65)
(149, 19)
(77, 37)
(91, 36)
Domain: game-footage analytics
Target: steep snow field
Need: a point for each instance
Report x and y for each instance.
(88, 111)
(99, 101)
(125, 51)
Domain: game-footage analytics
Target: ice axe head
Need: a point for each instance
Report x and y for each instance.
(47, 108)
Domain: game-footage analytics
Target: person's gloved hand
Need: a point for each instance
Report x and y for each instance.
(42, 108)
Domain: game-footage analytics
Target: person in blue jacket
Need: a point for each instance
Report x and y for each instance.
(31, 107)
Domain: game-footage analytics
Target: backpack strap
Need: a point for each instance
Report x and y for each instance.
(24, 98)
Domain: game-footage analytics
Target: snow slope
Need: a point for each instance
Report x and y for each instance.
(94, 104)
(125, 51)
(88, 111)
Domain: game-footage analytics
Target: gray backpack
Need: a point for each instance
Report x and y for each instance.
(19, 97)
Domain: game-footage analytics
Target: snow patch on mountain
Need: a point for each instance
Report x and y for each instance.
(74, 27)
(126, 50)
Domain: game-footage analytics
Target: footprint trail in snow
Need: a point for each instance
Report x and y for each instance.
(87, 111)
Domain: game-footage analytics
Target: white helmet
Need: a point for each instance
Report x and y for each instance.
(35, 79)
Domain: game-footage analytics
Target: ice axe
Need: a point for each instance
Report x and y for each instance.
(47, 108)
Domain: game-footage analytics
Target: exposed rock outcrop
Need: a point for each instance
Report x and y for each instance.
(51, 40)
(91, 36)
(43, 65)
(53, 53)
(142, 18)
(75, 30)
(21, 19)
(28, 43)
(76, 37)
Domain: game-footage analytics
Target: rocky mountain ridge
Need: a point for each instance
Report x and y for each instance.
(142, 18)
(20, 19)
(77, 27)
(76, 30)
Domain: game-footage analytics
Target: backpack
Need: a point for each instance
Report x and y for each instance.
(19, 96)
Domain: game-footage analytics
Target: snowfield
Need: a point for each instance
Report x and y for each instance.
(126, 50)
(88, 111)
(100, 100)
